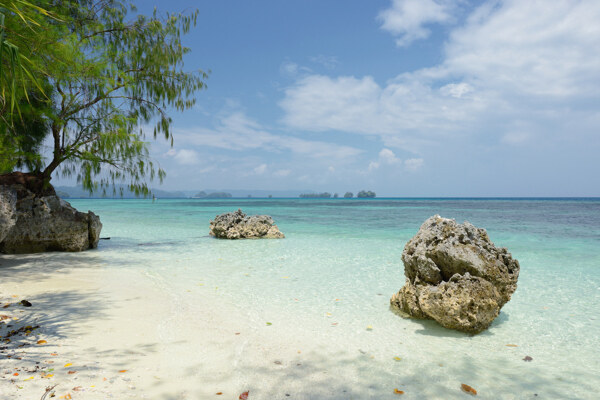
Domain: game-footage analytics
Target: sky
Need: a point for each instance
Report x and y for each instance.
(402, 97)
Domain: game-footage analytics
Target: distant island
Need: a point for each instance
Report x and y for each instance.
(366, 194)
(214, 195)
(348, 195)
(122, 192)
(324, 195)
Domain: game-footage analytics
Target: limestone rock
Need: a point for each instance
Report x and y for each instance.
(44, 222)
(8, 211)
(237, 225)
(455, 275)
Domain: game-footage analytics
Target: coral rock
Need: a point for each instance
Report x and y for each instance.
(455, 275)
(237, 225)
(33, 222)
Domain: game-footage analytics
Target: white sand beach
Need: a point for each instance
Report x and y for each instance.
(114, 333)
(118, 334)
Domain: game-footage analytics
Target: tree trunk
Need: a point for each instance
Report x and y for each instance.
(57, 153)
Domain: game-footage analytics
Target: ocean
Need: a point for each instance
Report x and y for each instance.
(330, 280)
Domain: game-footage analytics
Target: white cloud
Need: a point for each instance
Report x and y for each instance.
(184, 156)
(259, 170)
(530, 47)
(359, 105)
(413, 164)
(388, 157)
(512, 61)
(457, 90)
(237, 132)
(407, 18)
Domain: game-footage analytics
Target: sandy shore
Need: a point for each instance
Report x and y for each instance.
(97, 334)
(107, 333)
(116, 332)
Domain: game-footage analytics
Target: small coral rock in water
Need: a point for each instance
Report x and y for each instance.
(455, 275)
(237, 225)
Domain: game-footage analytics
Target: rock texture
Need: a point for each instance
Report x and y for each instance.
(237, 225)
(8, 214)
(455, 275)
(33, 222)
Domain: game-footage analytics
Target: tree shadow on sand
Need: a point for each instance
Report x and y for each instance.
(344, 375)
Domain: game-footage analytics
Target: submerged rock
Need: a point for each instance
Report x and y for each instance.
(237, 225)
(455, 275)
(33, 222)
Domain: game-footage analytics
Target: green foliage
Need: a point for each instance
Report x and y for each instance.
(365, 194)
(20, 34)
(111, 76)
(22, 98)
(324, 195)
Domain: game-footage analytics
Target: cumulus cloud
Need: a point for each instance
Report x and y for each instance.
(408, 18)
(512, 61)
(388, 157)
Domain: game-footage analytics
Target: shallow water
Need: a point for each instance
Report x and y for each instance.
(334, 273)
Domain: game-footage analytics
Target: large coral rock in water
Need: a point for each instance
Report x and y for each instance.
(455, 275)
(237, 225)
(33, 222)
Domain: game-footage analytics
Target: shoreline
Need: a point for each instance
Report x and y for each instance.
(103, 331)
(174, 341)
(118, 334)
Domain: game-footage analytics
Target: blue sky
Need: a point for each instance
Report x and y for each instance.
(403, 97)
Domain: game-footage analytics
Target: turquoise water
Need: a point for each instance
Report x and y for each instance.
(340, 263)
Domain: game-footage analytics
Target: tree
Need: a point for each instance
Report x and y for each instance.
(365, 194)
(116, 76)
(348, 195)
(22, 83)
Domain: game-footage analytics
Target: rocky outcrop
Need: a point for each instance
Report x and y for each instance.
(455, 275)
(8, 214)
(33, 222)
(237, 225)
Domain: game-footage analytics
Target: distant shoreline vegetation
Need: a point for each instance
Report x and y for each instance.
(363, 194)
(215, 195)
(366, 194)
(315, 195)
